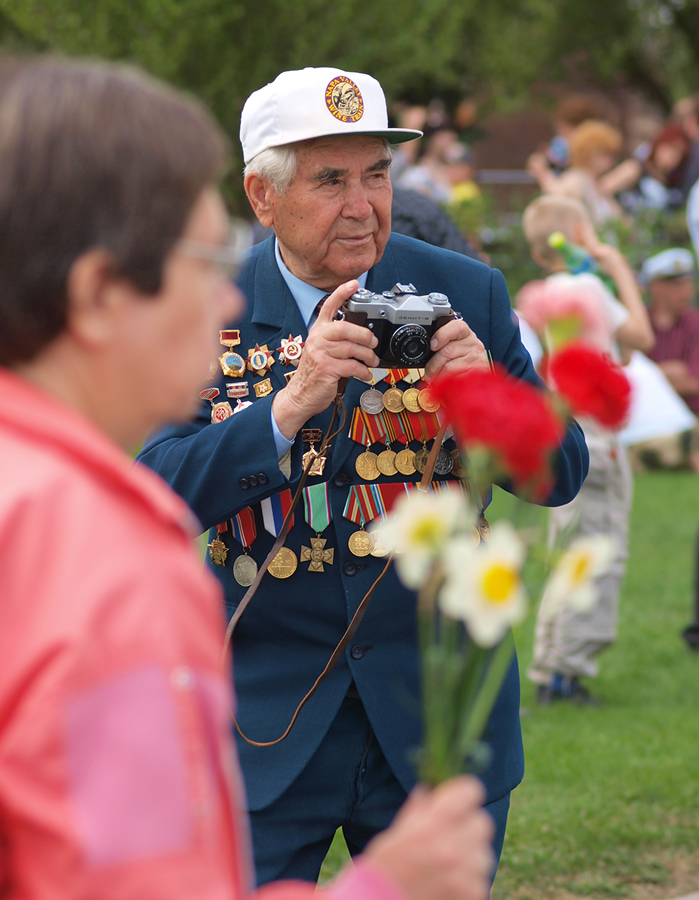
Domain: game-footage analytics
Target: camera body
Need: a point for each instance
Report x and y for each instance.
(402, 320)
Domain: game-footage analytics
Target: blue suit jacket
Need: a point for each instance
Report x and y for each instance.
(291, 627)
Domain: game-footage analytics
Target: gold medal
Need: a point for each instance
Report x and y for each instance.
(244, 570)
(284, 564)
(317, 555)
(316, 461)
(218, 552)
(421, 458)
(232, 364)
(366, 466)
(378, 549)
(386, 462)
(475, 536)
(361, 543)
(426, 402)
(262, 388)
(393, 400)
(410, 400)
(405, 461)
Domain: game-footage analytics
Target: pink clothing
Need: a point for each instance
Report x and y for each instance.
(117, 768)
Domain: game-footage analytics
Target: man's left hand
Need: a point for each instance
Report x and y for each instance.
(455, 348)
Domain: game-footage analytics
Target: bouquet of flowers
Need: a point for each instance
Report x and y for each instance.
(469, 579)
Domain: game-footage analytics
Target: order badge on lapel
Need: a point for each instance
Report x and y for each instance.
(232, 364)
(219, 411)
(260, 360)
(291, 350)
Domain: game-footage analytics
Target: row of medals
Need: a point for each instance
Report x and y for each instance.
(370, 465)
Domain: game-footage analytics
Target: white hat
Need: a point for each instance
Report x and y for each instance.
(312, 103)
(673, 263)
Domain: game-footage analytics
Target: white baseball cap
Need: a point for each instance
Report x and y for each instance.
(312, 103)
(674, 263)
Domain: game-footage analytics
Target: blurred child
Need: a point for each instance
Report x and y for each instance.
(567, 645)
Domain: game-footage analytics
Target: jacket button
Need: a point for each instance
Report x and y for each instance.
(244, 483)
(357, 652)
(252, 481)
(262, 478)
(341, 480)
(349, 568)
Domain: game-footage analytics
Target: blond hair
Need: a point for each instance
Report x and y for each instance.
(549, 213)
(592, 137)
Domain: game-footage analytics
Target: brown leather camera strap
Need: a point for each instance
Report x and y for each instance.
(278, 544)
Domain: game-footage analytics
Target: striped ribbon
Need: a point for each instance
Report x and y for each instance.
(367, 501)
(245, 527)
(395, 375)
(274, 509)
(317, 506)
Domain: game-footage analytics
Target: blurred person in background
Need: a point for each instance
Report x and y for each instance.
(570, 112)
(567, 643)
(593, 176)
(118, 775)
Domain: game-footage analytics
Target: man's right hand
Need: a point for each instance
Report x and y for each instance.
(333, 350)
(439, 845)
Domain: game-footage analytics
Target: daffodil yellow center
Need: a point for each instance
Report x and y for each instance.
(427, 532)
(580, 570)
(499, 581)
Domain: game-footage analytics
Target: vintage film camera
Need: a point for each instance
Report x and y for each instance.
(402, 320)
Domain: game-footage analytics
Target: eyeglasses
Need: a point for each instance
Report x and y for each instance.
(225, 258)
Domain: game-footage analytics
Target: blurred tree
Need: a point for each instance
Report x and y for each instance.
(222, 50)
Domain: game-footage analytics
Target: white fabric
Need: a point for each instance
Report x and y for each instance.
(656, 409)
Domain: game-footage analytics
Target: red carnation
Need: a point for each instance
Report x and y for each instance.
(592, 384)
(510, 418)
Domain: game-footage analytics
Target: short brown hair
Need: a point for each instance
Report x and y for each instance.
(549, 213)
(91, 155)
(575, 109)
(593, 137)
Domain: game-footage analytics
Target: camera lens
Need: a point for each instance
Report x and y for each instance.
(410, 345)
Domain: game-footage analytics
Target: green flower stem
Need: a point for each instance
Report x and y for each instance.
(494, 676)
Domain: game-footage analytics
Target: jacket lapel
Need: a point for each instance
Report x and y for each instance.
(273, 305)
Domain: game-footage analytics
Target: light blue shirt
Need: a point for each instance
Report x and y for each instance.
(307, 298)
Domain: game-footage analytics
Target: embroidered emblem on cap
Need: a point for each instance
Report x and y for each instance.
(344, 99)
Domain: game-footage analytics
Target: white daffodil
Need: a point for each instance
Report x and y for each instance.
(418, 529)
(572, 581)
(484, 584)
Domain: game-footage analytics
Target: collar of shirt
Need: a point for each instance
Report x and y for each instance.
(306, 296)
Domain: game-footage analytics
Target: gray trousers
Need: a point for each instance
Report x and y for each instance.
(569, 643)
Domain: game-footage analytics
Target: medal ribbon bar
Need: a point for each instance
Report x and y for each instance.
(245, 527)
(317, 506)
(274, 510)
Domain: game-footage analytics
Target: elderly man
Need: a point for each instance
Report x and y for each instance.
(117, 767)
(320, 178)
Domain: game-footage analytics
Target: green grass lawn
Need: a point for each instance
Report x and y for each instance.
(610, 803)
